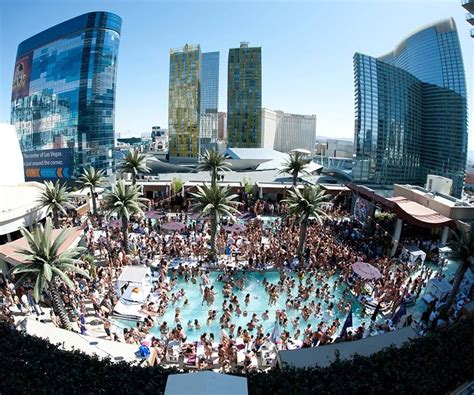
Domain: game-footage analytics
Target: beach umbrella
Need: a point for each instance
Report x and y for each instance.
(376, 312)
(402, 310)
(237, 228)
(366, 271)
(154, 215)
(173, 226)
(114, 223)
(347, 323)
(276, 332)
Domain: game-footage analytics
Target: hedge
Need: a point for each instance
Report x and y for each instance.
(434, 364)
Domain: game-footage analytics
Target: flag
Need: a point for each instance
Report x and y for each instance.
(347, 323)
(402, 310)
(276, 332)
(376, 312)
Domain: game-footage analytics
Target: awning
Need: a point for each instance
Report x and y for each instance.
(9, 254)
(405, 209)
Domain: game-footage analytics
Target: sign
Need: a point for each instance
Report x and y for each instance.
(21, 77)
(49, 164)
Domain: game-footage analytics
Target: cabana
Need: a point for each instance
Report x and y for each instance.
(137, 276)
(411, 253)
(205, 383)
(437, 288)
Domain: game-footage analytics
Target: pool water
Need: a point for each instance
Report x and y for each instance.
(259, 302)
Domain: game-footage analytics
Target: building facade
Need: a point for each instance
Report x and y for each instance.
(209, 101)
(284, 132)
(222, 125)
(63, 97)
(411, 111)
(184, 103)
(244, 97)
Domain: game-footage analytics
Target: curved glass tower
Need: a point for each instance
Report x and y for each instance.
(411, 110)
(63, 97)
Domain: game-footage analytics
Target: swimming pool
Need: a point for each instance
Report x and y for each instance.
(259, 302)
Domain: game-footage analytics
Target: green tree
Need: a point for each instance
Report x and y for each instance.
(215, 201)
(462, 246)
(56, 198)
(305, 204)
(134, 163)
(213, 162)
(295, 164)
(45, 266)
(92, 179)
(124, 200)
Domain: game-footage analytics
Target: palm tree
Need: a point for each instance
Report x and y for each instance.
(305, 204)
(134, 163)
(213, 162)
(462, 246)
(92, 179)
(56, 198)
(215, 201)
(45, 266)
(295, 164)
(124, 200)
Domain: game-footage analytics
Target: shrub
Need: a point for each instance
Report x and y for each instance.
(434, 364)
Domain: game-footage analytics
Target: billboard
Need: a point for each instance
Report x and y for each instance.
(362, 210)
(21, 77)
(49, 164)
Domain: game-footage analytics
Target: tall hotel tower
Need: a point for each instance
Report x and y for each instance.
(63, 97)
(411, 111)
(244, 97)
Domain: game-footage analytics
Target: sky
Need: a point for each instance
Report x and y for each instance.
(307, 49)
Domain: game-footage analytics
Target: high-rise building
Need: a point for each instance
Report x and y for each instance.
(244, 97)
(63, 97)
(284, 132)
(411, 114)
(184, 103)
(469, 7)
(222, 125)
(209, 101)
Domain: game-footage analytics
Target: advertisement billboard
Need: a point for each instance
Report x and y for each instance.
(21, 77)
(49, 164)
(362, 210)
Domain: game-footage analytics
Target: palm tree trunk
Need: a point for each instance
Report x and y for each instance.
(213, 177)
(94, 204)
(58, 305)
(125, 235)
(295, 177)
(56, 218)
(134, 179)
(457, 283)
(213, 234)
(303, 229)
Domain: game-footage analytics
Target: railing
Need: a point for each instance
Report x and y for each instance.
(469, 16)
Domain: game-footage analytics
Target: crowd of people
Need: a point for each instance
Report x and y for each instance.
(312, 307)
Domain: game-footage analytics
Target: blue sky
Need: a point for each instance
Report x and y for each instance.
(307, 48)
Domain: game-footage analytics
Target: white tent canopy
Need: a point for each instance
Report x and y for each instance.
(437, 288)
(138, 276)
(205, 383)
(412, 253)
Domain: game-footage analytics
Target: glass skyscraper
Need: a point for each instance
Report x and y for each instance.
(244, 97)
(209, 100)
(411, 110)
(63, 96)
(184, 103)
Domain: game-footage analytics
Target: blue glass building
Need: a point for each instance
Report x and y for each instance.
(209, 101)
(411, 110)
(63, 97)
